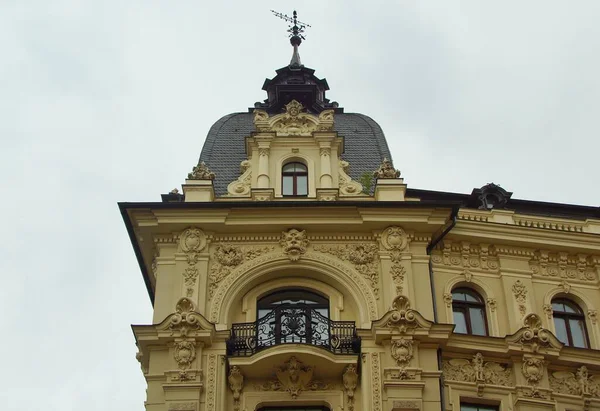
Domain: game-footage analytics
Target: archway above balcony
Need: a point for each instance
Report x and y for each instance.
(334, 272)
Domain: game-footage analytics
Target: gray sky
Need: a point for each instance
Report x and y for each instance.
(110, 101)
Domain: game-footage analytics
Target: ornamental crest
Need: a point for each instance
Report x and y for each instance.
(386, 170)
(294, 122)
(294, 377)
(402, 316)
(294, 243)
(201, 172)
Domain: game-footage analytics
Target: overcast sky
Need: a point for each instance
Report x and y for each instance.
(106, 101)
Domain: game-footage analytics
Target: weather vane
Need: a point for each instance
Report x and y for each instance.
(296, 29)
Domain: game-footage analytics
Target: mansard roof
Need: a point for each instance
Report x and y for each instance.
(365, 145)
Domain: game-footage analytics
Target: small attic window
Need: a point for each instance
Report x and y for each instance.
(294, 180)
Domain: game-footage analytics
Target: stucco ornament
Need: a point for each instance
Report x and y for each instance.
(347, 186)
(386, 170)
(294, 121)
(184, 353)
(520, 292)
(185, 318)
(578, 383)
(350, 381)
(402, 351)
(402, 316)
(533, 371)
(534, 334)
(201, 172)
(394, 238)
(236, 384)
(294, 243)
(294, 377)
(193, 240)
(241, 187)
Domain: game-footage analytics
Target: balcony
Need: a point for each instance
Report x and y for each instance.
(293, 324)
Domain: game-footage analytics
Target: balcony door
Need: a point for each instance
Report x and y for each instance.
(293, 316)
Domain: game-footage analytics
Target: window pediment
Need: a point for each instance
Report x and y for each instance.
(294, 122)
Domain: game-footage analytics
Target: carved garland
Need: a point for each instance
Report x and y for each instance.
(395, 240)
(520, 292)
(192, 242)
(227, 282)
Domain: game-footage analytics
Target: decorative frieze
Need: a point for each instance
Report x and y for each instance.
(466, 256)
(477, 371)
(563, 265)
(549, 225)
(362, 256)
(579, 383)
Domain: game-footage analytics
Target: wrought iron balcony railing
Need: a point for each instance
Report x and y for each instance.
(293, 324)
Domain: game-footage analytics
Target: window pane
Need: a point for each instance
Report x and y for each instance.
(289, 167)
(477, 321)
(459, 296)
(302, 186)
(288, 185)
(561, 330)
(300, 167)
(464, 407)
(578, 333)
(461, 322)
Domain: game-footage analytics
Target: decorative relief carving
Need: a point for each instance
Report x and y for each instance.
(533, 333)
(593, 316)
(466, 255)
(579, 267)
(529, 222)
(491, 302)
(533, 371)
(241, 187)
(402, 351)
(394, 238)
(520, 292)
(184, 353)
(548, 310)
(397, 272)
(580, 383)
(347, 186)
(211, 383)
(350, 381)
(192, 242)
(294, 377)
(264, 152)
(356, 278)
(448, 299)
(405, 405)
(227, 258)
(201, 172)
(376, 380)
(293, 122)
(386, 170)
(325, 151)
(477, 371)
(402, 316)
(362, 256)
(236, 383)
(294, 243)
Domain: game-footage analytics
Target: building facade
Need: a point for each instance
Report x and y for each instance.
(297, 271)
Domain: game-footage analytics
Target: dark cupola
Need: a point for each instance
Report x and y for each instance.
(295, 81)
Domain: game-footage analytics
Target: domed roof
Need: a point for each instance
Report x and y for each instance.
(224, 149)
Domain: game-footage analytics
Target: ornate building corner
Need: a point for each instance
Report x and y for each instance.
(347, 186)
(201, 172)
(242, 186)
(236, 384)
(386, 170)
(294, 122)
(520, 292)
(533, 371)
(363, 256)
(350, 381)
(294, 243)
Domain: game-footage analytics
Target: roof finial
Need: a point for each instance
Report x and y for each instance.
(296, 36)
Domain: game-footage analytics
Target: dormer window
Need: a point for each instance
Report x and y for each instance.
(294, 180)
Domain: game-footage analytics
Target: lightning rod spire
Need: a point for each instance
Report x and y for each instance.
(296, 30)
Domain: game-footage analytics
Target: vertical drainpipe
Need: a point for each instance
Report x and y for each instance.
(434, 241)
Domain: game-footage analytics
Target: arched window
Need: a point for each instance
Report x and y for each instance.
(294, 180)
(469, 312)
(569, 323)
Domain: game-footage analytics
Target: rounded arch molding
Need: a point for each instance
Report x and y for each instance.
(234, 285)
